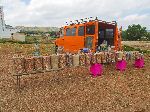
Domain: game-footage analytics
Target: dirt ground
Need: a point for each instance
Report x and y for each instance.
(74, 90)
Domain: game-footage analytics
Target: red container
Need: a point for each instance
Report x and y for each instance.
(96, 69)
(139, 63)
(121, 65)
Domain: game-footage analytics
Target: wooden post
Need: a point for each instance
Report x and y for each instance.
(18, 81)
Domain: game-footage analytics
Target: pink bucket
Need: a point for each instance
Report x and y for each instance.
(96, 70)
(121, 65)
(139, 63)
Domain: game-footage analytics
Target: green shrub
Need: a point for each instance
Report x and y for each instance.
(128, 48)
(14, 41)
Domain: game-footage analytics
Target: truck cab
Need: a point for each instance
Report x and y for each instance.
(89, 35)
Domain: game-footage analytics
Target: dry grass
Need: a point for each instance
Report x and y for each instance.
(74, 90)
(144, 45)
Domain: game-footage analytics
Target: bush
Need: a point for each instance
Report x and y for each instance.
(128, 48)
(14, 41)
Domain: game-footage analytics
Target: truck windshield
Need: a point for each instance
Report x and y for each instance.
(68, 32)
(71, 31)
(90, 29)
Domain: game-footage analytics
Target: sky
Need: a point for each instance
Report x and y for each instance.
(57, 12)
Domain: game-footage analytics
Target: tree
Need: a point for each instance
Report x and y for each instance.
(54, 34)
(135, 32)
(148, 36)
(124, 35)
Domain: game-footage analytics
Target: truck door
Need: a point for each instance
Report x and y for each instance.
(80, 37)
(88, 42)
(90, 37)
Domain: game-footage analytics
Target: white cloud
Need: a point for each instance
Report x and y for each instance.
(135, 19)
(56, 12)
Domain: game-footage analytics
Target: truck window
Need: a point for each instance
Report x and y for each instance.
(90, 30)
(74, 31)
(88, 42)
(68, 32)
(101, 33)
(81, 31)
(109, 33)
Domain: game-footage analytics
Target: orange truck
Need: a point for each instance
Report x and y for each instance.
(89, 34)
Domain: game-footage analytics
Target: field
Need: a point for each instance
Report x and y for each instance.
(144, 45)
(73, 89)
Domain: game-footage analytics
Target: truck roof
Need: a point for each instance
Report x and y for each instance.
(113, 23)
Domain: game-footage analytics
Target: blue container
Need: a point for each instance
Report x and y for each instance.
(85, 50)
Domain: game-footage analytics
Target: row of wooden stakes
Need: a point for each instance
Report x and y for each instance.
(23, 65)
